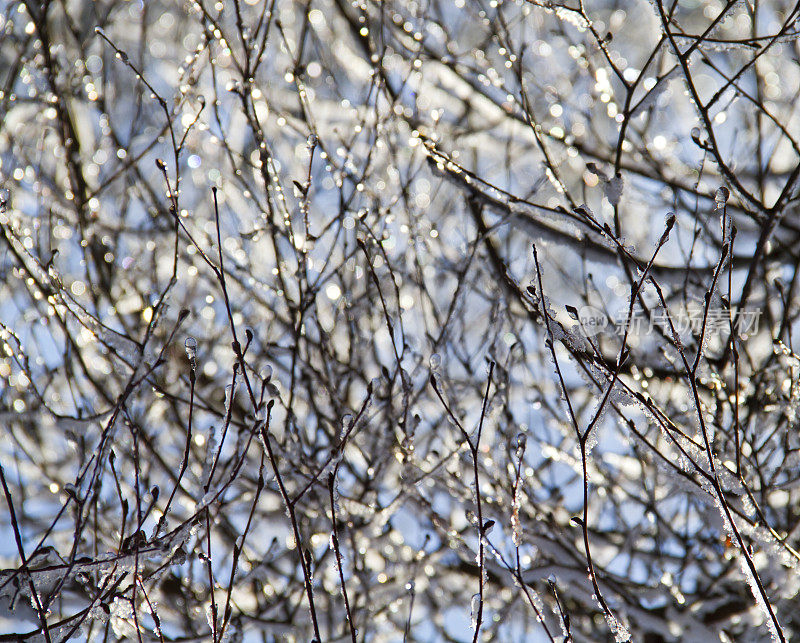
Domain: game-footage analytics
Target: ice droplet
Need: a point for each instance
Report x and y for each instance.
(179, 557)
(191, 350)
(435, 361)
(191, 347)
(261, 413)
(721, 197)
(613, 189)
(474, 608)
(621, 633)
(516, 528)
(229, 393)
(347, 422)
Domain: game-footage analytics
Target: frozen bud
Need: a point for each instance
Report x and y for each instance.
(592, 167)
(522, 441)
